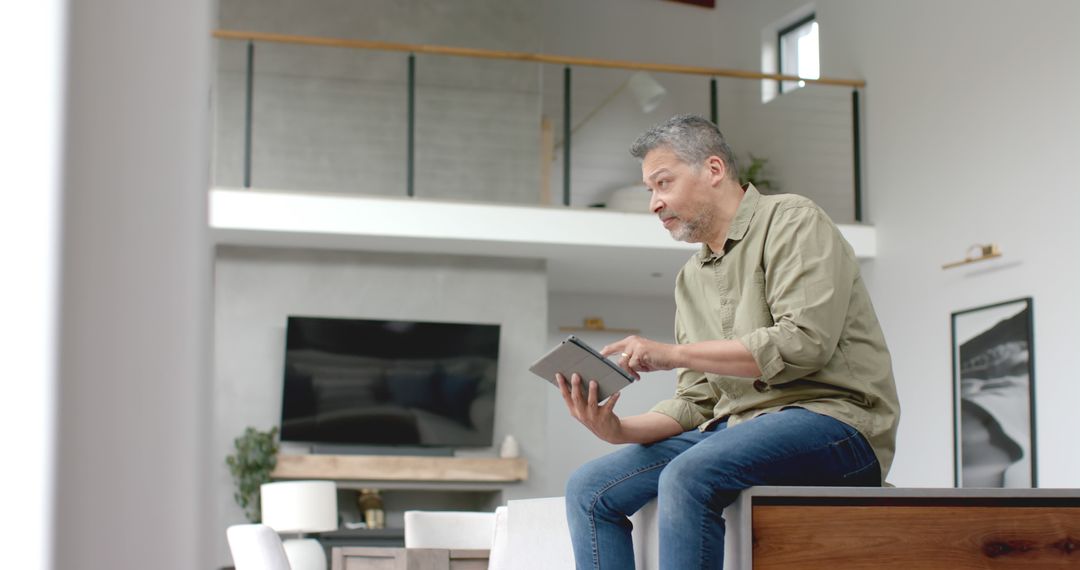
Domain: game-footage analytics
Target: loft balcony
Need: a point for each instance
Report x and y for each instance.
(586, 250)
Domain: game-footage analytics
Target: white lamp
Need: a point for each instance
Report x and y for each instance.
(298, 507)
(646, 90)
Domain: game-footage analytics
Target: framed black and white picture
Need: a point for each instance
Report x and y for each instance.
(994, 395)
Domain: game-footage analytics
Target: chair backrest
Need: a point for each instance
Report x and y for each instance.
(539, 534)
(499, 558)
(449, 529)
(256, 547)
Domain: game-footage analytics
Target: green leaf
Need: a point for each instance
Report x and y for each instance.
(250, 465)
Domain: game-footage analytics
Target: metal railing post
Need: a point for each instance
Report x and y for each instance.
(713, 113)
(566, 136)
(410, 189)
(248, 112)
(856, 153)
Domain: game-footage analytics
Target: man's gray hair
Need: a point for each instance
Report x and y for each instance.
(692, 138)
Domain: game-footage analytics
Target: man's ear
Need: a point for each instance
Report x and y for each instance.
(717, 168)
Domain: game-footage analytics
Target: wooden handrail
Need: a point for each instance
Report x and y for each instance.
(523, 56)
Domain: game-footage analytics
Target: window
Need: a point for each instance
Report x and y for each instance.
(797, 52)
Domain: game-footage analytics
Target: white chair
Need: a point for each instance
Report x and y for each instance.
(539, 535)
(449, 529)
(256, 547)
(499, 559)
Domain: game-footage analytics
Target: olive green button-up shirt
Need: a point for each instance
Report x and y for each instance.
(787, 286)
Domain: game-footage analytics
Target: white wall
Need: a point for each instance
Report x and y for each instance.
(635, 30)
(29, 244)
(131, 459)
(965, 139)
(971, 128)
(805, 135)
(256, 289)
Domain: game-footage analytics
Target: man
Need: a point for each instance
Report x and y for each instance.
(783, 373)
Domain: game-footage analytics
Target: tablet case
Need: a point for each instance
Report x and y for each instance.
(573, 355)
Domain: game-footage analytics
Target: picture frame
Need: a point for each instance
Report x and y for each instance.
(702, 3)
(994, 395)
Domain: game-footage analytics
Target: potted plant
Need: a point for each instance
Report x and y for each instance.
(250, 465)
(754, 173)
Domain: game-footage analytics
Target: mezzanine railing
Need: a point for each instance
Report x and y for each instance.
(831, 123)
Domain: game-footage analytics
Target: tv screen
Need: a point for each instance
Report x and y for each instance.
(404, 383)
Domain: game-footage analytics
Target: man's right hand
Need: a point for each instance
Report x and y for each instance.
(600, 419)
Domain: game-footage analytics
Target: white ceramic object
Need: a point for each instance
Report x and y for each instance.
(633, 198)
(509, 448)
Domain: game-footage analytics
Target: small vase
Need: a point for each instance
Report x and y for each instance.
(509, 448)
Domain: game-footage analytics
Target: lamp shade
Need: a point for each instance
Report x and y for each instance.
(299, 506)
(647, 91)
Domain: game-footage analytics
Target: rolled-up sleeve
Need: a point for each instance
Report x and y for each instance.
(809, 273)
(691, 402)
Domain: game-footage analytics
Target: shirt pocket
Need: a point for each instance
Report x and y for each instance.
(752, 311)
(726, 313)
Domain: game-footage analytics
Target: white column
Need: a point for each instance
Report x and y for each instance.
(30, 110)
(134, 399)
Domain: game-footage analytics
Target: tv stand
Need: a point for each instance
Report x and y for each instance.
(406, 482)
(403, 468)
(342, 449)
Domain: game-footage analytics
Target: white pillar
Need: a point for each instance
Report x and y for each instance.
(133, 470)
(32, 57)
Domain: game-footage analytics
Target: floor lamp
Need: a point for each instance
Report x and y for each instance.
(297, 508)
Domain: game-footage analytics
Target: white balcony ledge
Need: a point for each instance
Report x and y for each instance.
(586, 250)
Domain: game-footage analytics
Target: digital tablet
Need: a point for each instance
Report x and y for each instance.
(573, 355)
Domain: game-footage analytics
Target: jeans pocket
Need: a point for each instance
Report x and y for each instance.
(857, 460)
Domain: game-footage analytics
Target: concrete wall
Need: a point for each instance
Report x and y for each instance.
(256, 289)
(335, 120)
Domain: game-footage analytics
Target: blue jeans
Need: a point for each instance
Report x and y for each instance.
(696, 474)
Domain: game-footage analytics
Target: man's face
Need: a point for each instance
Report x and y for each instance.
(681, 195)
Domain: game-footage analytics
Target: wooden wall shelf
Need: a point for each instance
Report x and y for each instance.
(401, 468)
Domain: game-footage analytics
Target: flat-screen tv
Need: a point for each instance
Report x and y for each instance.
(397, 383)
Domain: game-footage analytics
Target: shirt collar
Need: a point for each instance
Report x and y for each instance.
(739, 224)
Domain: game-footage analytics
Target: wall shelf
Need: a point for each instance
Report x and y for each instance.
(399, 468)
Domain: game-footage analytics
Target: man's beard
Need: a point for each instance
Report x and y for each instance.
(692, 230)
(683, 231)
